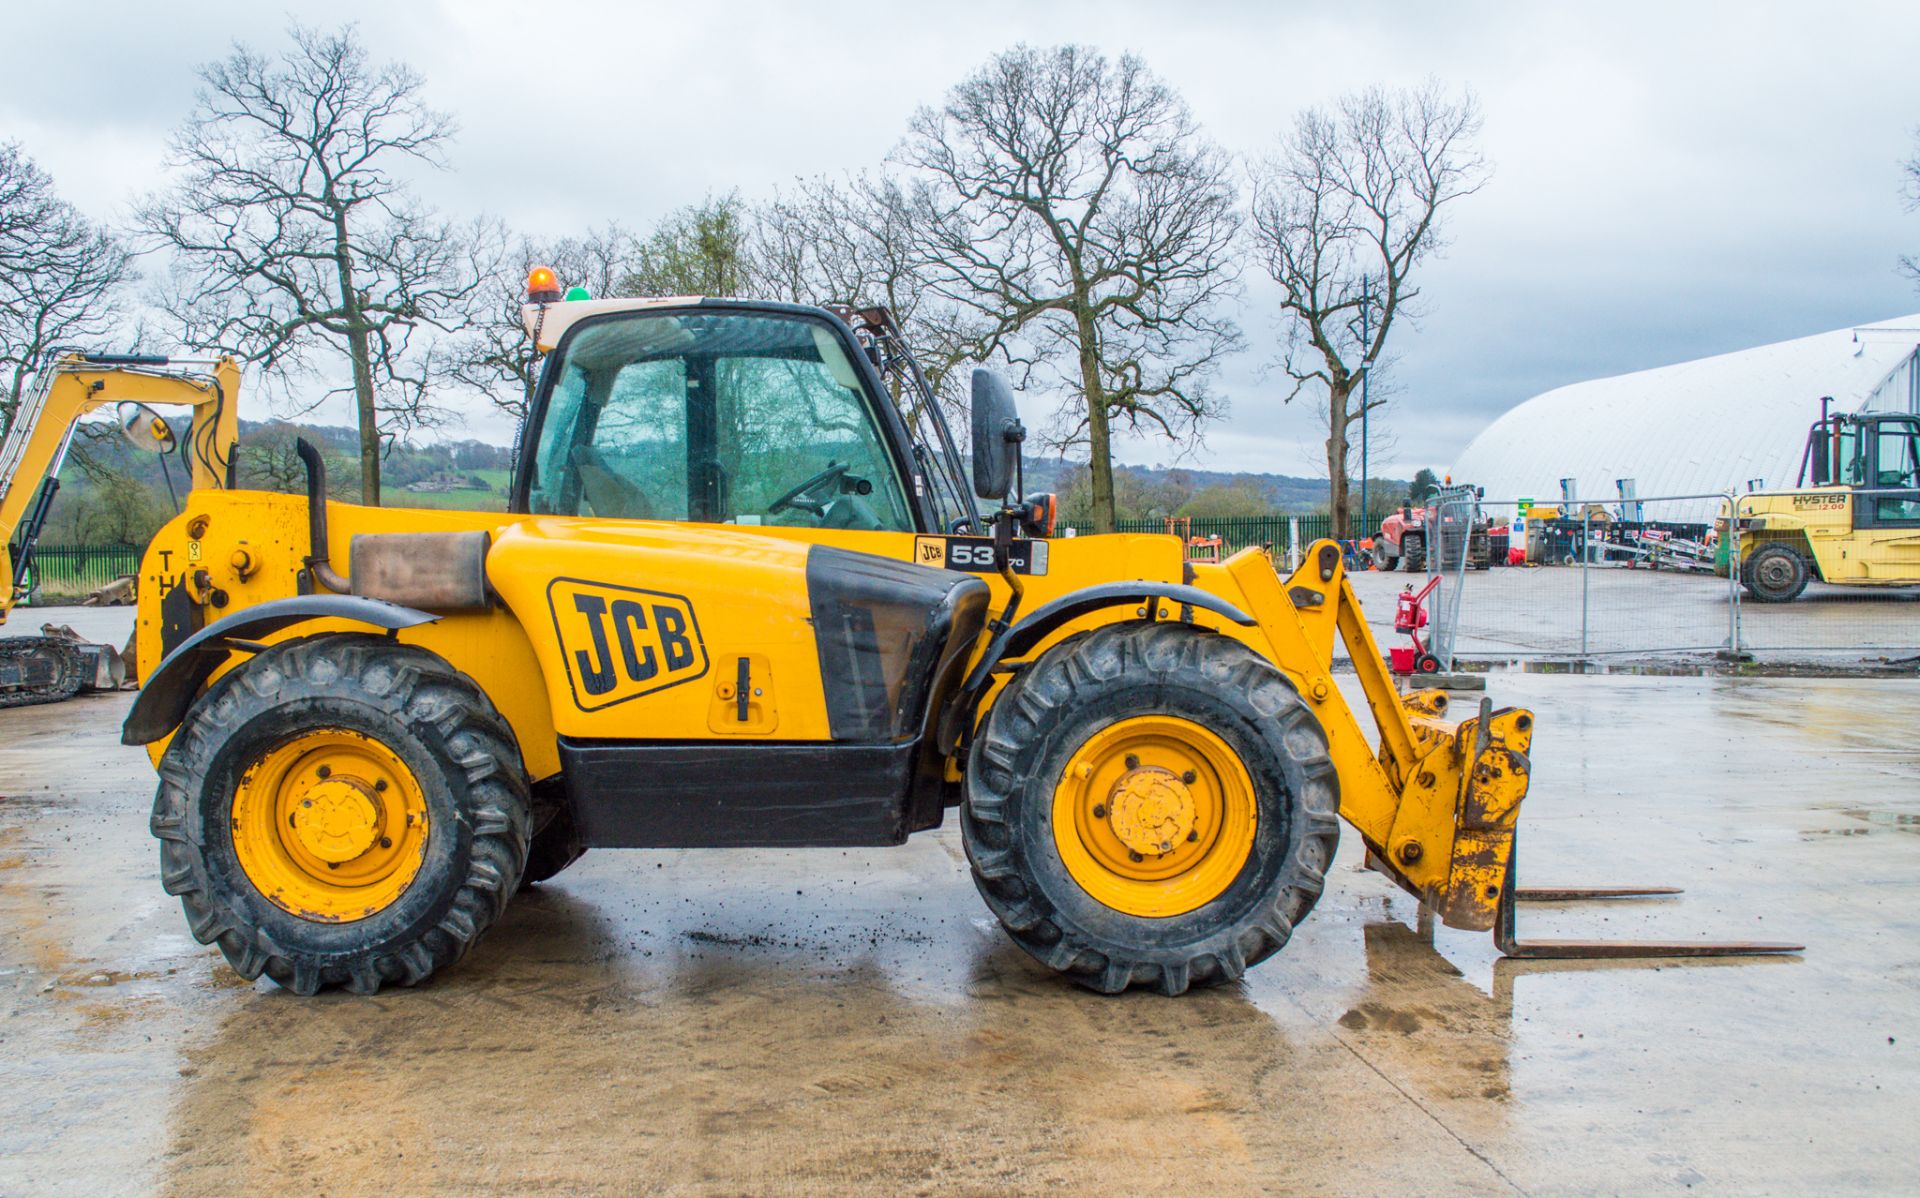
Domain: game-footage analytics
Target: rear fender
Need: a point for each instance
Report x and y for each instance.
(171, 688)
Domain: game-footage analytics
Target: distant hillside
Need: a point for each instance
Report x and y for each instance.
(1164, 486)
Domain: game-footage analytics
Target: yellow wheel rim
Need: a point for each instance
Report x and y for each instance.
(1154, 816)
(330, 825)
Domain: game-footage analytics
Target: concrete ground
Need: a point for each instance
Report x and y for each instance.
(854, 1022)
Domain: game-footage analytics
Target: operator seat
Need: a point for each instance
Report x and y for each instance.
(610, 493)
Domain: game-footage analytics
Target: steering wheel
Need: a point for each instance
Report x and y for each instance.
(794, 498)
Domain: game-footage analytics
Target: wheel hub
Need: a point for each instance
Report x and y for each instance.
(1154, 815)
(330, 824)
(1151, 810)
(337, 820)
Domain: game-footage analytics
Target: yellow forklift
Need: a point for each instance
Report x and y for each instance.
(1853, 519)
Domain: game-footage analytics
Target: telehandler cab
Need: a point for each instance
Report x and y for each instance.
(743, 596)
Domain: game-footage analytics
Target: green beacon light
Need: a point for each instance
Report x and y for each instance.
(577, 293)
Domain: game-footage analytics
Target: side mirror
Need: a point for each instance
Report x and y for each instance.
(997, 435)
(144, 427)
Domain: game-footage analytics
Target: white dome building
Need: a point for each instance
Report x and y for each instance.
(1710, 425)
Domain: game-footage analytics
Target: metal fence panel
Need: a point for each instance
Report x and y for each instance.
(1454, 542)
(1825, 570)
(1595, 579)
(65, 573)
(1285, 535)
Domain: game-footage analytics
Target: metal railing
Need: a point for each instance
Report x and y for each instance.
(1673, 575)
(1287, 535)
(66, 573)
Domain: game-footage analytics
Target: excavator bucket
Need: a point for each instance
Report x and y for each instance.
(56, 665)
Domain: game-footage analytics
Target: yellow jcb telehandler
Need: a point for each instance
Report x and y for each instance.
(744, 596)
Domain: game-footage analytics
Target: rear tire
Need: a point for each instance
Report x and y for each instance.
(1775, 573)
(1413, 557)
(1083, 690)
(416, 711)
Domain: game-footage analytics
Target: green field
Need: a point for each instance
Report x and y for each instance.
(493, 499)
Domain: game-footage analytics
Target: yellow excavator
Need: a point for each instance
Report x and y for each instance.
(49, 668)
(747, 594)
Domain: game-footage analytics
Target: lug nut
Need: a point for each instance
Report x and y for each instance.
(1133, 761)
(380, 784)
(386, 842)
(1189, 777)
(1194, 834)
(1099, 811)
(1133, 856)
(325, 771)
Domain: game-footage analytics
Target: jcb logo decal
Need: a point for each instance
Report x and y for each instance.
(622, 642)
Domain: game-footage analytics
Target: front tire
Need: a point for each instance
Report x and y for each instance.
(342, 810)
(1150, 804)
(1775, 573)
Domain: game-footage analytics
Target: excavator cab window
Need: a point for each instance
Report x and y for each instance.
(724, 417)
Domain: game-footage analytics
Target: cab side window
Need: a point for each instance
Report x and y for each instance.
(1895, 467)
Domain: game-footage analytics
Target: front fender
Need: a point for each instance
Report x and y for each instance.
(169, 691)
(1023, 637)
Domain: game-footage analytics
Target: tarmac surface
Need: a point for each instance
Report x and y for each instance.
(853, 1022)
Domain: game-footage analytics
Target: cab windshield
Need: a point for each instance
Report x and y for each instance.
(714, 417)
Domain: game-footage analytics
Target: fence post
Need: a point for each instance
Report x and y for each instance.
(1586, 566)
(1733, 573)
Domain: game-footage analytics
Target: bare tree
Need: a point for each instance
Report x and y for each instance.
(700, 249)
(853, 243)
(1071, 203)
(293, 234)
(60, 275)
(493, 354)
(270, 461)
(1910, 192)
(1344, 214)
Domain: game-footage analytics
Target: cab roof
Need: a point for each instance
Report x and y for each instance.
(548, 323)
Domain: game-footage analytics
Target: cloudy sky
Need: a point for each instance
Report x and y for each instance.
(1672, 180)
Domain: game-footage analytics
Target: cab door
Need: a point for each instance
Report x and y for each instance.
(1887, 502)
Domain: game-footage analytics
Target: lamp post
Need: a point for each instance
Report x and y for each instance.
(1366, 375)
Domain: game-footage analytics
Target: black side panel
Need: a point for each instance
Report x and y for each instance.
(642, 794)
(882, 627)
(180, 618)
